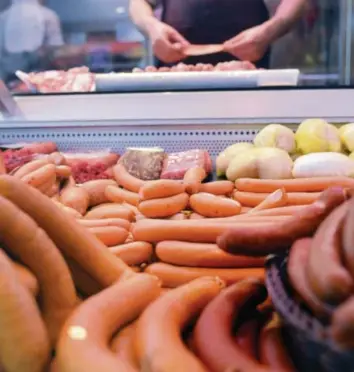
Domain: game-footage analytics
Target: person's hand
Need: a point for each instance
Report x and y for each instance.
(249, 45)
(167, 43)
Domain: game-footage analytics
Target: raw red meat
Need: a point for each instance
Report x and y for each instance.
(20, 154)
(78, 79)
(176, 165)
(91, 166)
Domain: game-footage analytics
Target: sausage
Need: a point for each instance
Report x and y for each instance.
(193, 179)
(209, 205)
(2, 164)
(315, 184)
(202, 255)
(117, 195)
(296, 268)
(213, 339)
(56, 158)
(276, 199)
(84, 342)
(126, 180)
(161, 189)
(328, 278)
(250, 199)
(119, 222)
(24, 343)
(110, 235)
(342, 325)
(40, 176)
(158, 342)
(273, 353)
(179, 217)
(174, 276)
(190, 230)
(31, 245)
(123, 346)
(49, 187)
(72, 239)
(97, 191)
(282, 211)
(218, 187)
(165, 207)
(76, 198)
(134, 253)
(26, 278)
(69, 211)
(280, 236)
(348, 238)
(63, 171)
(30, 167)
(110, 211)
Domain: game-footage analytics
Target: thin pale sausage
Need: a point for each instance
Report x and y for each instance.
(76, 198)
(97, 191)
(110, 211)
(119, 222)
(40, 176)
(280, 236)
(30, 167)
(193, 179)
(173, 276)
(117, 195)
(202, 255)
(161, 189)
(276, 199)
(126, 180)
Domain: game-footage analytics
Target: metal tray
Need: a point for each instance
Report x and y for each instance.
(162, 81)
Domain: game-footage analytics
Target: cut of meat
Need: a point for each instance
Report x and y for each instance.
(91, 166)
(176, 165)
(78, 79)
(19, 154)
(144, 163)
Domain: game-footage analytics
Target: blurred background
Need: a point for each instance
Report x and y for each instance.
(100, 35)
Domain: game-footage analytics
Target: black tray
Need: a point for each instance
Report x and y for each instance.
(306, 337)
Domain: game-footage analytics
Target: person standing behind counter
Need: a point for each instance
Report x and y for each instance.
(26, 27)
(242, 26)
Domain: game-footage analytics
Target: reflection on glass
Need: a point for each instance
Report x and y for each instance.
(39, 35)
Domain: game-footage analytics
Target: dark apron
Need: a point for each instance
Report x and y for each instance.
(214, 22)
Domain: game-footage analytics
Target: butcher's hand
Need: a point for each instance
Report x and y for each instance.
(167, 43)
(249, 45)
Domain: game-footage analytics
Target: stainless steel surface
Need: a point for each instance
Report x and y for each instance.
(345, 40)
(185, 108)
(8, 106)
(161, 81)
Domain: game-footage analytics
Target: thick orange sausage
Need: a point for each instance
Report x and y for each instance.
(76, 198)
(174, 276)
(84, 344)
(342, 325)
(40, 176)
(26, 278)
(209, 205)
(110, 235)
(30, 167)
(126, 180)
(218, 187)
(24, 344)
(315, 184)
(158, 342)
(119, 222)
(202, 255)
(280, 236)
(252, 199)
(165, 207)
(134, 253)
(190, 230)
(161, 189)
(97, 191)
(71, 238)
(328, 278)
(297, 262)
(193, 179)
(110, 211)
(213, 338)
(123, 346)
(117, 195)
(273, 353)
(31, 245)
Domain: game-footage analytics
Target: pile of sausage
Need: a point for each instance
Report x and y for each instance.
(201, 67)
(133, 263)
